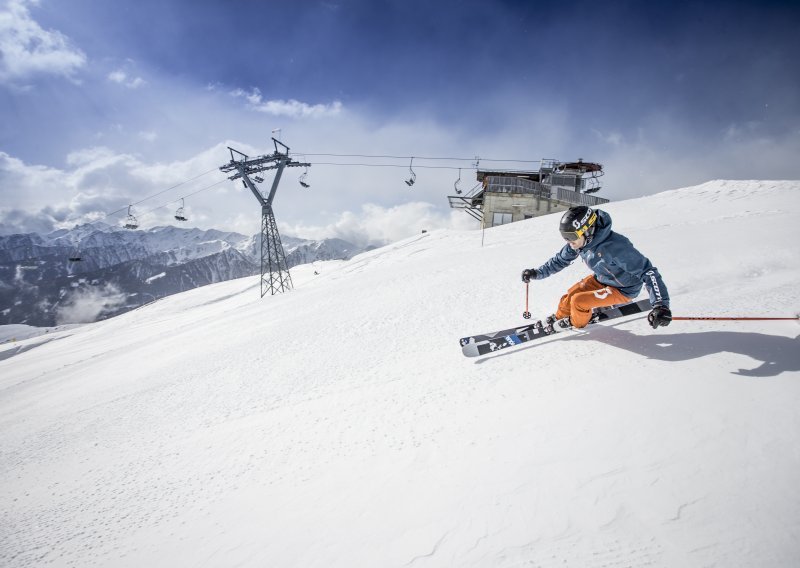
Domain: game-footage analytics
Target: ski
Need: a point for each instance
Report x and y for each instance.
(476, 345)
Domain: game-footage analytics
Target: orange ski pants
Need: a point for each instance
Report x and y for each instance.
(579, 300)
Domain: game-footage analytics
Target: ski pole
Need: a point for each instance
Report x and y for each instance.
(526, 314)
(688, 318)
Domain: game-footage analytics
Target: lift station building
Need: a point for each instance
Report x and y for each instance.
(509, 196)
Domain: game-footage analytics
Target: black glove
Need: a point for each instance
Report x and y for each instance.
(659, 316)
(528, 274)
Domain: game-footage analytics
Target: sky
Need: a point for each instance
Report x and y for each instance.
(106, 104)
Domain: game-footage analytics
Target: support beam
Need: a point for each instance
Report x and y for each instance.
(275, 276)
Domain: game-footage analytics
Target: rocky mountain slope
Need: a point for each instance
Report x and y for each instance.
(120, 270)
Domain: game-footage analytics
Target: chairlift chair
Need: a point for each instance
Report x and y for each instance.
(75, 253)
(131, 222)
(410, 181)
(302, 179)
(593, 184)
(455, 185)
(179, 215)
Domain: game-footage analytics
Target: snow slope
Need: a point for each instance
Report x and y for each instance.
(338, 425)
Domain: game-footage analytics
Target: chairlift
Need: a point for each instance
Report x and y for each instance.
(302, 179)
(410, 181)
(75, 253)
(179, 216)
(593, 182)
(455, 185)
(131, 222)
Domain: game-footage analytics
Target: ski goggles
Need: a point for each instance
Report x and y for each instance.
(575, 235)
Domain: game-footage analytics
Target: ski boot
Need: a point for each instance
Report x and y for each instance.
(553, 325)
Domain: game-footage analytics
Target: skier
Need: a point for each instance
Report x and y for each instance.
(619, 270)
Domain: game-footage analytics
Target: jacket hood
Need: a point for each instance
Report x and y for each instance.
(602, 231)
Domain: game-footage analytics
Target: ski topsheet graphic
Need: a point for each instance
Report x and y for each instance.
(476, 345)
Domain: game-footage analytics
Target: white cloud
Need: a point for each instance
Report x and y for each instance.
(97, 182)
(245, 223)
(117, 77)
(91, 155)
(85, 305)
(27, 49)
(377, 225)
(610, 138)
(122, 78)
(665, 155)
(290, 108)
(740, 132)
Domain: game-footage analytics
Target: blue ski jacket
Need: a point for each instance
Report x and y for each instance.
(614, 261)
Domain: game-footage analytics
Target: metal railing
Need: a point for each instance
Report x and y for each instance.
(578, 198)
(506, 184)
(467, 204)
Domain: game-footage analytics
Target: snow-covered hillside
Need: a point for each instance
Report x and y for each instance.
(339, 425)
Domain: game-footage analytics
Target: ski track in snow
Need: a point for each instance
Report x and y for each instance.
(339, 424)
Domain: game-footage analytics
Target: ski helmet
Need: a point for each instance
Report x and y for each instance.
(577, 222)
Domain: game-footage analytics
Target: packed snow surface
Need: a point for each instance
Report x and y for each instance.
(339, 425)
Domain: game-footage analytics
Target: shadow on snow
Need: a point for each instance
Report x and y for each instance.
(777, 354)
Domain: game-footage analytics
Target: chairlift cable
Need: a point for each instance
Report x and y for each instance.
(405, 166)
(304, 154)
(416, 157)
(184, 197)
(173, 187)
(125, 208)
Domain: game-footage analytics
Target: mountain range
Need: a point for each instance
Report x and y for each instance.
(95, 271)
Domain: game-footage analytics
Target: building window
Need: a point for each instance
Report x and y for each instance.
(501, 219)
(571, 182)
